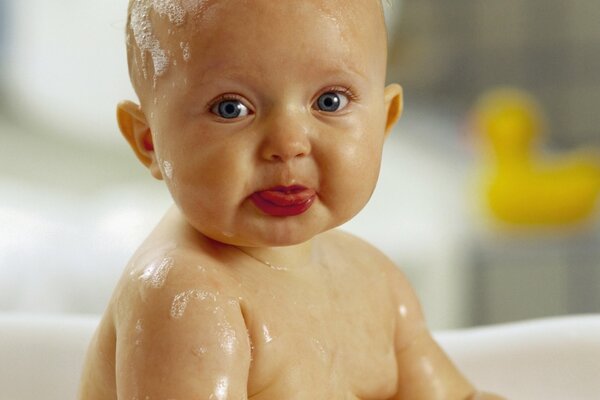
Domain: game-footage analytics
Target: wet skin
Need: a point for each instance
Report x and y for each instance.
(196, 314)
(345, 325)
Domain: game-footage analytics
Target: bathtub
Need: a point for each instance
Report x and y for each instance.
(548, 359)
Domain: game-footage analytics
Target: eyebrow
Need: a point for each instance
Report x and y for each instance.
(347, 69)
(238, 71)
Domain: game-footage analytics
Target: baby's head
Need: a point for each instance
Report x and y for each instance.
(265, 118)
(151, 25)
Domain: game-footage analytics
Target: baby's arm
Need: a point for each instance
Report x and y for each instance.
(424, 370)
(182, 343)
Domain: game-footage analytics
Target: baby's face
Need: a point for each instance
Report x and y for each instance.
(269, 122)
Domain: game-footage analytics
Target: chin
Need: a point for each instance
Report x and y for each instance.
(287, 239)
(264, 237)
(289, 235)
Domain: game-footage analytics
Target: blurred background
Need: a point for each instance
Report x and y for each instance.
(75, 203)
(449, 51)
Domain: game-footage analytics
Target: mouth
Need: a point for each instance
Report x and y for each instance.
(284, 201)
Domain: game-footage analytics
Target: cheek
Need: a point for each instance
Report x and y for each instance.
(352, 172)
(210, 177)
(363, 167)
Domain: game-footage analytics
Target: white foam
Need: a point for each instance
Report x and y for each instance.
(146, 41)
(176, 12)
(185, 49)
(192, 6)
(172, 9)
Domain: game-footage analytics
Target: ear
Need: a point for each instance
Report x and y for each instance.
(135, 129)
(394, 105)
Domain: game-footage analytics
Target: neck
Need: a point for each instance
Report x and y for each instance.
(282, 258)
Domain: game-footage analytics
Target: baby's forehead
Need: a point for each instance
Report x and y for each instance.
(159, 15)
(161, 32)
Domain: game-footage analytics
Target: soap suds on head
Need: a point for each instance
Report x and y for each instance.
(146, 40)
(170, 8)
(144, 35)
(185, 49)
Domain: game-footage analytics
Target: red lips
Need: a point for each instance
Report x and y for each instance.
(284, 201)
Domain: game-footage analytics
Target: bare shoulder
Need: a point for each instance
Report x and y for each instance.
(355, 246)
(407, 309)
(171, 261)
(157, 279)
(419, 359)
(180, 308)
(165, 296)
(370, 256)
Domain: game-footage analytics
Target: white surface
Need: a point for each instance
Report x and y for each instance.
(63, 254)
(550, 359)
(66, 64)
(41, 356)
(557, 359)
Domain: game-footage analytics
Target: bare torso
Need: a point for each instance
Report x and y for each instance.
(327, 330)
(324, 334)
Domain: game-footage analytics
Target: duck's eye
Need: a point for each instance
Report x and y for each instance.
(230, 109)
(332, 102)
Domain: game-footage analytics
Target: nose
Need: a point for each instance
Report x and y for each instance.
(286, 137)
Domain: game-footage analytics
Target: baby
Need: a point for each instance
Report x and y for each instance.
(266, 120)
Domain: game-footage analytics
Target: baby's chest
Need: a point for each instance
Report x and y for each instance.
(345, 350)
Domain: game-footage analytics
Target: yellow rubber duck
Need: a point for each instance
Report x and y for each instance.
(522, 186)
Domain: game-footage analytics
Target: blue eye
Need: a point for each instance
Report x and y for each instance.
(230, 109)
(332, 102)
